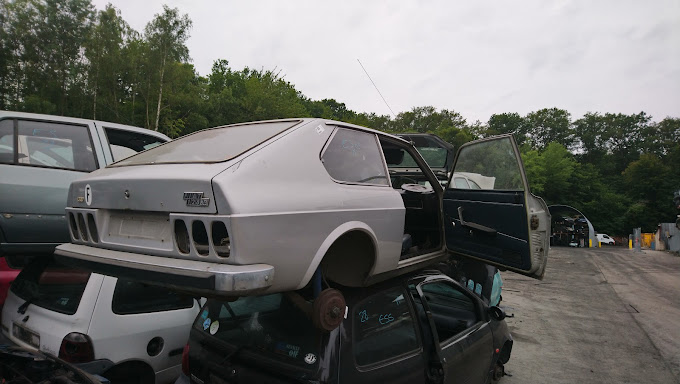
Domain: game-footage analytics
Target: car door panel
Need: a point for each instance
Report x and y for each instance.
(462, 339)
(502, 223)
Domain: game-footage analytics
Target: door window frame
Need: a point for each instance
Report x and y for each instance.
(458, 336)
(396, 358)
(16, 121)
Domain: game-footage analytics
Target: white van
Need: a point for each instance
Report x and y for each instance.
(603, 238)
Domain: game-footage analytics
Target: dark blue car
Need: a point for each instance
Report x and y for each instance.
(418, 328)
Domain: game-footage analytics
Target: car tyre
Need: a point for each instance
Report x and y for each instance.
(498, 372)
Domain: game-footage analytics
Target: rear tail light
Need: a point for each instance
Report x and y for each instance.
(185, 360)
(220, 239)
(181, 236)
(74, 226)
(92, 226)
(82, 227)
(200, 237)
(76, 348)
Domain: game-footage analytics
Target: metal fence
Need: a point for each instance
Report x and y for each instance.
(669, 237)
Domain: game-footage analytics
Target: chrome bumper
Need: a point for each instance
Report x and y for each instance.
(189, 276)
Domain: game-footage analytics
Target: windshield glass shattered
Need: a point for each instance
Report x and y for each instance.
(210, 145)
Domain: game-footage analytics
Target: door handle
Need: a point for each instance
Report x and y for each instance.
(475, 226)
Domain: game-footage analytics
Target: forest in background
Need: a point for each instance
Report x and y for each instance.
(64, 57)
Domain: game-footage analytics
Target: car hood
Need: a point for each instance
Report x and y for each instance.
(184, 188)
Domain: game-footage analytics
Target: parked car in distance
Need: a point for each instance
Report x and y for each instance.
(603, 238)
(124, 330)
(416, 328)
(40, 155)
(193, 214)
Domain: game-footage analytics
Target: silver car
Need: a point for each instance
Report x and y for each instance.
(266, 206)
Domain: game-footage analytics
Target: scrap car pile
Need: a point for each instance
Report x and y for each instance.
(315, 242)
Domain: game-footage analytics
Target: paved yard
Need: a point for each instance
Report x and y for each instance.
(605, 315)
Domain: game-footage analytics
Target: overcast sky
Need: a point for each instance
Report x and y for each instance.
(475, 57)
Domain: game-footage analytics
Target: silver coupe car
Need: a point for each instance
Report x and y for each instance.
(267, 206)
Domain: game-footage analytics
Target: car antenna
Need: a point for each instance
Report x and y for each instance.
(376, 88)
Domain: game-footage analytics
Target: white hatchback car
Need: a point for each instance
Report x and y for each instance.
(122, 329)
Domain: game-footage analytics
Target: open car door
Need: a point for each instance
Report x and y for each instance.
(493, 217)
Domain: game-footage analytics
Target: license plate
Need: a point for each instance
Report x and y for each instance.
(25, 335)
(154, 227)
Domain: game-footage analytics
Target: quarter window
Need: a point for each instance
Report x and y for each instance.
(132, 296)
(55, 145)
(355, 157)
(383, 328)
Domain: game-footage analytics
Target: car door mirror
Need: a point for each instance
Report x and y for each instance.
(496, 313)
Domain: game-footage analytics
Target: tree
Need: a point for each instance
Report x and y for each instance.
(62, 30)
(167, 34)
(103, 50)
(650, 184)
(549, 125)
(549, 172)
(508, 123)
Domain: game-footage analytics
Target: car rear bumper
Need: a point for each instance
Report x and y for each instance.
(191, 276)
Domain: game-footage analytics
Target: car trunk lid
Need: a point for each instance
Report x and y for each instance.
(180, 188)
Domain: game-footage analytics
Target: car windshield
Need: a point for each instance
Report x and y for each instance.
(210, 145)
(434, 157)
(48, 284)
(271, 325)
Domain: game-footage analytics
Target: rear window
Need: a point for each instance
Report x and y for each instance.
(271, 325)
(48, 284)
(210, 145)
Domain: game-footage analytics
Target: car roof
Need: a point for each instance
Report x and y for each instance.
(77, 120)
(304, 121)
(353, 295)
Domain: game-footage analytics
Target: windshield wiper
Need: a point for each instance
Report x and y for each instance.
(22, 308)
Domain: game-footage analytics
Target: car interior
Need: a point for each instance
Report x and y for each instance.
(422, 226)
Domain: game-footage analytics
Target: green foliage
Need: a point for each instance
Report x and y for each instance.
(549, 172)
(63, 57)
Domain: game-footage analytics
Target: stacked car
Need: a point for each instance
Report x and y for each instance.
(298, 222)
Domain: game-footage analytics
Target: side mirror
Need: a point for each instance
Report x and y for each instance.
(496, 313)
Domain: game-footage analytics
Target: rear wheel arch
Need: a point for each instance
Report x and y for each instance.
(350, 259)
(504, 355)
(352, 244)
